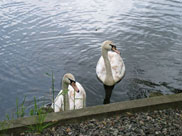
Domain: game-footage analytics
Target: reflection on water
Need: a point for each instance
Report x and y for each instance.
(65, 36)
(108, 93)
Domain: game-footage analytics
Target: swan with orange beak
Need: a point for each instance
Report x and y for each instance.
(110, 68)
(72, 96)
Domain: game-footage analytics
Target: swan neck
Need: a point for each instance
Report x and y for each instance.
(65, 95)
(109, 75)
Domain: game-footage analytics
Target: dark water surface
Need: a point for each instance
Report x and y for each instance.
(38, 36)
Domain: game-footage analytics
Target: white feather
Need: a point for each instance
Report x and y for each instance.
(117, 67)
(80, 99)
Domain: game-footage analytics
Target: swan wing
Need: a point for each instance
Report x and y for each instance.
(58, 102)
(101, 70)
(77, 100)
(117, 66)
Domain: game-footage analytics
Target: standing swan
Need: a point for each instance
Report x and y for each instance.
(75, 98)
(110, 68)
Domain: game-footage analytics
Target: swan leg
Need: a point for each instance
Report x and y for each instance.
(108, 93)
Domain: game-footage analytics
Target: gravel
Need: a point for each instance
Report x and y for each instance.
(159, 123)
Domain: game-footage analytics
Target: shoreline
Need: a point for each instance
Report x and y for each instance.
(101, 111)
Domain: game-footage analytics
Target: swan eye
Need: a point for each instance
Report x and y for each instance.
(72, 81)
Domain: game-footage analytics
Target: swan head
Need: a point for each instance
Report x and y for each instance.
(69, 79)
(109, 46)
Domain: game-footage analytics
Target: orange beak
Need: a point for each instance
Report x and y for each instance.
(115, 50)
(73, 84)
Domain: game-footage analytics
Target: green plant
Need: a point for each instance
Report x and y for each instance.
(39, 126)
(40, 113)
(40, 117)
(4, 125)
(20, 111)
(52, 86)
(35, 109)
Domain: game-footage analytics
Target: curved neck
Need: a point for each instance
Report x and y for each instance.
(65, 95)
(109, 76)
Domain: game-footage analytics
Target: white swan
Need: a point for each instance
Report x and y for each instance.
(110, 68)
(74, 99)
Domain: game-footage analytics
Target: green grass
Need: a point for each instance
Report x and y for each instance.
(4, 126)
(40, 112)
(41, 115)
(52, 86)
(20, 111)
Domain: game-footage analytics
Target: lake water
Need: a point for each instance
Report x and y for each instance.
(40, 36)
